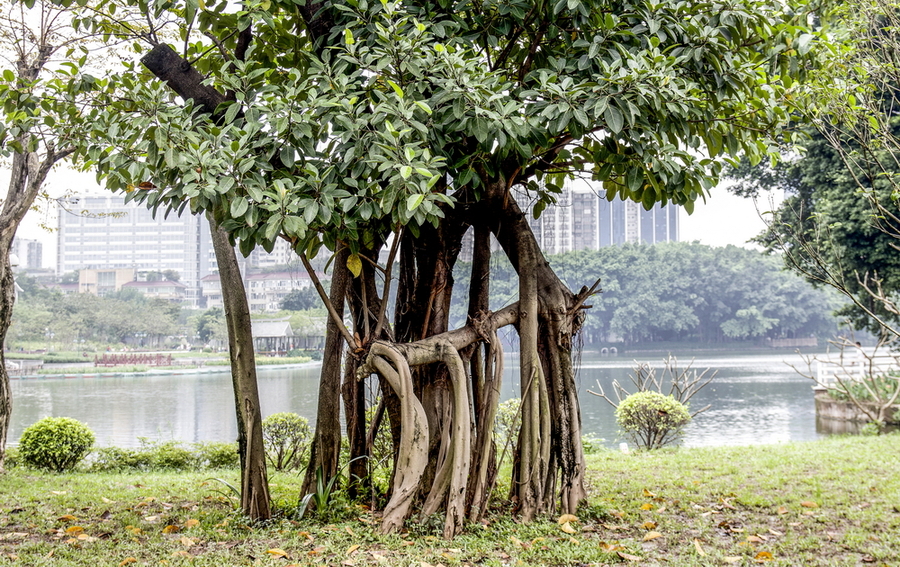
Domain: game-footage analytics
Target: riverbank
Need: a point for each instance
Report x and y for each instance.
(137, 371)
(829, 502)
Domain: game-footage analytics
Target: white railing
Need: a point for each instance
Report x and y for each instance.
(853, 365)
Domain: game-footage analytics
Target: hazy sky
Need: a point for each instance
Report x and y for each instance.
(724, 219)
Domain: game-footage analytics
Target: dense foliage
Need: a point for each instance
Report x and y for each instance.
(684, 292)
(828, 226)
(44, 315)
(55, 443)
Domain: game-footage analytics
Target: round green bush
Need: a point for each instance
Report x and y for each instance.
(652, 420)
(55, 444)
(286, 436)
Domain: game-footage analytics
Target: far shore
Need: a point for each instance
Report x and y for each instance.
(205, 369)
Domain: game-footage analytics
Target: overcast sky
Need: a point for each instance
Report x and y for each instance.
(724, 219)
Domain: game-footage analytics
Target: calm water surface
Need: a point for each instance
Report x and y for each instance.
(755, 399)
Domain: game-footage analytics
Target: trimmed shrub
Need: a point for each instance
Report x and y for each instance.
(117, 459)
(168, 455)
(652, 420)
(55, 444)
(286, 437)
(217, 455)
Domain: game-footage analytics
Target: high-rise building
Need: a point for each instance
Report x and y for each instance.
(583, 219)
(104, 232)
(29, 252)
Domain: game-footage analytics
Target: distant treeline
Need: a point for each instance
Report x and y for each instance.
(680, 292)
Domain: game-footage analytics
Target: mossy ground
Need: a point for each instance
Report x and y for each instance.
(831, 502)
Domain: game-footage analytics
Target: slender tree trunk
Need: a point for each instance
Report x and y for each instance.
(326, 446)
(254, 480)
(27, 175)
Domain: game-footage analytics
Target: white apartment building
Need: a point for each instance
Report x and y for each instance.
(103, 232)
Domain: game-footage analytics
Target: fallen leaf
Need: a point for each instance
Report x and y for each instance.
(618, 528)
(74, 530)
(809, 504)
(84, 537)
(278, 552)
(67, 518)
(191, 523)
(649, 525)
(775, 532)
(567, 527)
(58, 492)
(127, 560)
(782, 510)
(661, 509)
(755, 539)
(171, 529)
(315, 550)
(352, 549)
(651, 535)
(699, 548)
(648, 494)
(763, 556)
(647, 506)
(628, 556)
(180, 553)
(609, 546)
(186, 541)
(566, 518)
(732, 558)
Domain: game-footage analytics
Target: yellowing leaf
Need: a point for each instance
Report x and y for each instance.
(180, 553)
(352, 549)
(74, 530)
(191, 523)
(732, 558)
(648, 494)
(652, 535)
(647, 506)
(628, 556)
(186, 541)
(754, 539)
(782, 510)
(763, 556)
(277, 552)
(567, 527)
(67, 518)
(566, 518)
(809, 504)
(171, 529)
(354, 264)
(699, 548)
(649, 525)
(661, 509)
(127, 560)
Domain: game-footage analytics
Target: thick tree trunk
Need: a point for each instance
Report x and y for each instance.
(254, 480)
(559, 319)
(326, 446)
(7, 295)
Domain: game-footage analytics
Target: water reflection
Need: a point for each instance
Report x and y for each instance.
(755, 399)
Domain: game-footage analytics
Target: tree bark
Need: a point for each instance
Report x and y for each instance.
(27, 175)
(254, 479)
(326, 445)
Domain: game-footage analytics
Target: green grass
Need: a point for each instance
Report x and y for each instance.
(831, 502)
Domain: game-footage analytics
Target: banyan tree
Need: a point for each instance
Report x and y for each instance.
(378, 133)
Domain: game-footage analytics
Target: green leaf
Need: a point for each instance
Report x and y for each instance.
(238, 207)
(405, 171)
(413, 202)
(396, 88)
(635, 178)
(354, 264)
(424, 107)
(614, 119)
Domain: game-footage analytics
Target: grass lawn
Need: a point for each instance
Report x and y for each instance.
(831, 502)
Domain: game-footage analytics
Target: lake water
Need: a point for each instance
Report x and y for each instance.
(756, 398)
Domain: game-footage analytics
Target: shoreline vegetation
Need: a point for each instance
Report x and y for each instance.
(830, 502)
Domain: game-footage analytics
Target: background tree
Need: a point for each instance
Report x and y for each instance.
(40, 119)
(357, 127)
(300, 299)
(839, 225)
